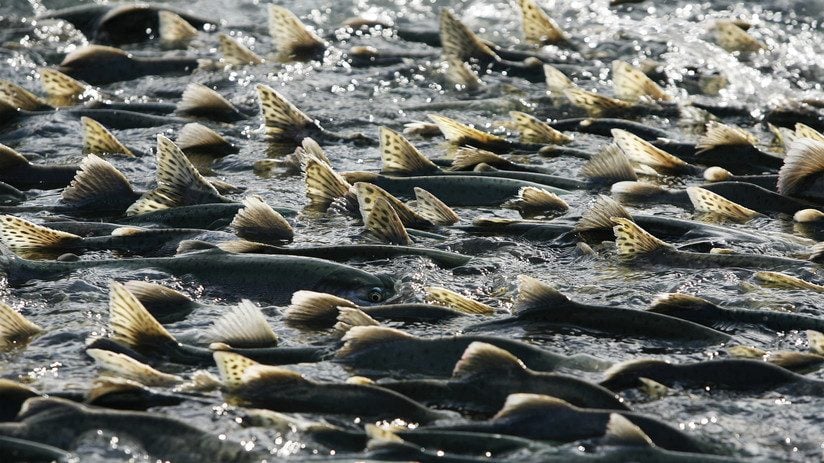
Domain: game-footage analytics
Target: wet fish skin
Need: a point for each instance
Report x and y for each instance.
(107, 68)
(14, 449)
(741, 159)
(38, 177)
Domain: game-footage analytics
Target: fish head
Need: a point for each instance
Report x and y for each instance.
(377, 289)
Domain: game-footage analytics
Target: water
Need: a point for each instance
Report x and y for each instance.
(351, 99)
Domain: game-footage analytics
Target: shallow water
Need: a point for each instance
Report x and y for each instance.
(349, 99)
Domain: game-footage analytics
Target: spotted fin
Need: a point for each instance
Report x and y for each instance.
(459, 302)
(521, 403)
(200, 99)
(782, 280)
(805, 131)
(178, 182)
(282, 119)
(59, 85)
(631, 84)
(131, 323)
(401, 157)
(460, 42)
(632, 241)
(461, 74)
(98, 140)
(534, 294)
(719, 134)
(539, 28)
(461, 134)
(236, 53)
(15, 329)
(533, 201)
(599, 215)
(126, 367)
(20, 234)
(20, 98)
(96, 181)
(423, 129)
(368, 195)
(349, 318)
(232, 367)
(195, 136)
(360, 338)
(805, 158)
(383, 223)
(243, 326)
(323, 185)
(292, 38)
(608, 166)
(481, 358)
(257, 221)
(11, 159)
(309, 308)
(643, 152)
(174, 30)
(534, 130)
(709, 202)
(312, 148)
(622, 431)
(467, 158)
(594, 104)
(432, 209)
(556, 81)
(731, 37)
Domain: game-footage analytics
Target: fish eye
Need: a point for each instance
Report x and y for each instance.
(375, 295)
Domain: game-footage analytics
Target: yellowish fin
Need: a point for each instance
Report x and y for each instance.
(631, 84)
(20, 234)
(539, 28)
(131, 323)
(126, 367)
(610, 165)
(804, 160)
(174, 30)
(59, 85)
(349, 317)
(782, 280)
(621, 431)
(535, 201)
(731, 37)
(462, 134)
(243, 326)
(643, 152)
(556, 81)
(632, 241)
(308, 308)
(236, 53)
(432, 209)
(599, 215)
(653, 389)
(461, 74)
(594, 104)
(383, 223)
(719, 134)
(257, 221)
(709, 202)
(805, 131)
(282, 119)
(359, 338)
(200, 99)
(323, 185)
(461, 43)
(459, 302)
(293, 39)
(95, 181)
(481, 358)
(20, 98)
(15, 329)
(534, 130)
(197, 137)
(399, 156)
(98, 140)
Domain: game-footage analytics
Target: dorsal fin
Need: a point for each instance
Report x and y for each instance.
(732, 38)
(462, 134)
(98, 140)
(517, 404)
(782, 280)
(535, 201)
(533, 294)
(713, 203)
(719, 134)
(126, 367)
(310, 308)
(622, 431)
(174, 30)
(369, 193)
(467, 158)
(59, 85)
(481, 358)
(608, 166)
(632, 241)
(599, 215)
(805, 131)
(20, 98)
(178, 182)
(312, 148)
(593, 103)
(461, 74)
(101, 52)
(460, 42)
(747, 352)
(635, 191)
(158, 298)
(196, 136)
(292, 38)
(187, 246)
(11, 159)
(96, 181)
(643, 152)
(429, 207)
(815, 340)
(459, 302)
(349, 317)
(383, 223)
(808, 216)
(20, 234)
(653, 389)
(199, 99)
(232, 367)
(556, 81)
(243, 326)
(534, 130)
(257, 221)
(379, 437)
(539, 28)
(360, 338)
(130, 322)
(631, 84)
(717, 174)
(235, 53)
(401, 157)
(804, 159)
(421, 128)
(323, 185)
(673, 303)
(281, 118)
(631, 368)
(14, 327)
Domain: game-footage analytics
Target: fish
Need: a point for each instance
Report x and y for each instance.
(706, 313)
(802, 174)
(101, 64)
(376, 349)
(540, 304)
(318, 310)
(252, 384)
(486, 375)
(16, 449)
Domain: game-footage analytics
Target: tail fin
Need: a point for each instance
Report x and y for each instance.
(594, 104)
(174, 30)
(383, 223)
(235, 53)
(430, 208)
(20, 234)
(15, 329)
(309, 308)
(399, 156)
(534, 130)
(804, 161)
(631, 84)
(460, 42)
(633, 241)
(282, 119)
(257, 221)
(294, 41)
(323, 185)
(59, 85)
(533, 201)
(96, 182)
(719, 134)
(599, 215)
(609, 166)
(199, 99)
(99, 140)
(712, 203)
(243, 326)
(457, 301)
(126, 367)
(462, 134)
(539, 28)
(21, 98)
(131, 323)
